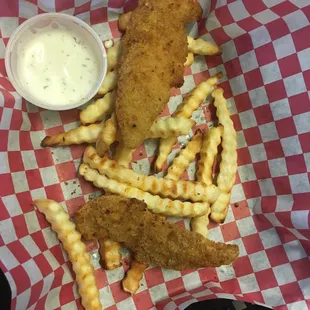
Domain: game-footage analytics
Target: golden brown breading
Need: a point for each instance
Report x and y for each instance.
(154, 50)
(151, 237)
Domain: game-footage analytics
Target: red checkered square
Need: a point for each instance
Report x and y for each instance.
(296, 164)
(254, 7)
(251, 189)
(263, 114)
(35, 121)
(98, 16)
(175, 286)
(237, 123)
(20, 226)
(4, 140)
(230, 231)
(244, 157)
(242, 266)
(63, 5)
(114, 29)
(274, 149)
(143, 300)
(9, 9)
(74, 204)
(277, 256)
(265, 54)
(243, 44)
(15, 161)
(253, 79)
(277, 29)
(34, 179)
(67, 293)
(248, 24)
(117, 292)
(54, 192)
(208, 274)
(286, 127)
(261, 222)
(290, 291)
(269, 204)
(153, 276)
(252, 136)
(299, 104)
(20, 253)
(35, 293)
(224, 16)
(82, 8)
(300, 268)
(282, 185)
(252, 244)
(44, 157)
(66, 171)
(233, 68)
(241, 210)
(266, 279)
(243, 102)
(276, 95)
(39, 240)
(262, 170)
(23, 279)
(25, 141)
(299, 38)
(231, 286)
(289, 65)
(306, 75)
(4, 214)
(284, 8)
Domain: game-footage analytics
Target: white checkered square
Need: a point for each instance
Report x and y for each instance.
(49, 175)
(7, 231)
(237, 193)
(248, 61)
(13, 140)
(305, 287)
(170, 274)
(6, 118)
(284, 203)
(273, 297)
(284, 46)
(246, 173)
(215, 234)
(4, 167)
(294, 250)
(239, 243)
(199, 64)
(258, 153)
(36, 138)
(258, 97)
(8, 25)
(142, 166)
(260, 36)
(269, 132)
(300, 3)
(296, 20)
(238, 85)
(255, 205)
(29, 160)
(259, 261)
(32, 222)
(270, 238)
(157, 292)
(280, 109)
(300, 219)
(30, 245)
(7, 258)
(271, 72)
(307, 160)
(248, 119)
(20, 181)
(300, 305)
(226, 273)
(266, 16)
(299, 183)
(246, 226)
(115, 275)
(248, 284)
(61, 155)
(284, 274)
(189, 84)
(302, 122)
(241, 142)
(304, 59)
(277, 167)
(33, 271)
(126, 304)
(266, 187)
(191, 280)
(106, 297)
(212, 21)
(295, 84)
(174, 101)
(103, 30)
(12, 205)
(238, 10)
(291, 146)
(38, 193)
(23, 299)
(229, 51)
(50, 119)
(52, 299)
(234, 31)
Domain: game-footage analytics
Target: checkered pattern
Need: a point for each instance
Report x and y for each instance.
(266, 63)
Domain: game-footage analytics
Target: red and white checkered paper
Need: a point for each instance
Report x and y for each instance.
(266, 64)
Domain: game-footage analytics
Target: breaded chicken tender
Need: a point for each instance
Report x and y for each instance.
(154, 50)
(151, 238)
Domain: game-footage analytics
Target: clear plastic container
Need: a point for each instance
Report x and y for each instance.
(71, 24)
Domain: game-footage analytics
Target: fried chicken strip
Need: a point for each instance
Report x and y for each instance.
(151, 237)
(151, 63)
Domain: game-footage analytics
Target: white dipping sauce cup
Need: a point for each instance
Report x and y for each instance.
(71, 23)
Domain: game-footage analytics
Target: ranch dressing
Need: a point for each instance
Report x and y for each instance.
(56, 66)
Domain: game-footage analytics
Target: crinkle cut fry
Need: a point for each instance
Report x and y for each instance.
(202, 47)
(228, 165)
(209, 149)
(185, 109)
(107, 135)
(186, 156)
(155, 203)
(110, 254)
(211, 141)
(123, 155)
(113, 55)
(82, 134)
(76, 249)
(131, 282)
(97, 110)
(185, 190)
(109, 83)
